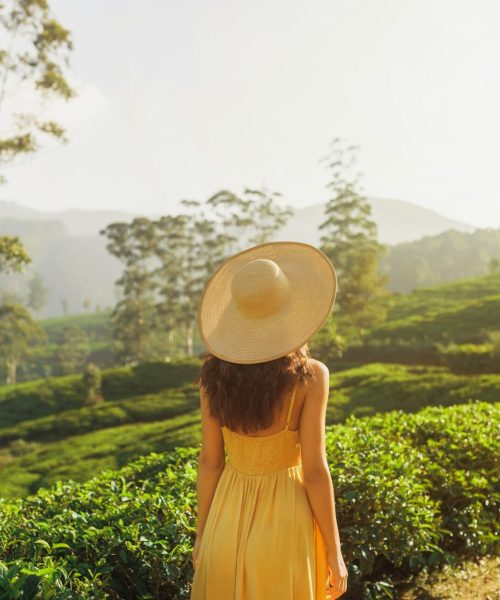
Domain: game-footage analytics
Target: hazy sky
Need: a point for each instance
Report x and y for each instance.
(180, 98)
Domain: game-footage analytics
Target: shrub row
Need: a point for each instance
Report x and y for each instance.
(79, 442)
(466, 359)
(471, 358)
(411, 490)
(43, 397)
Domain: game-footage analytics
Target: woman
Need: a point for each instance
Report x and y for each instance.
(266, 517)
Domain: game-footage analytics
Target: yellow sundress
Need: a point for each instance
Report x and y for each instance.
(261, 540)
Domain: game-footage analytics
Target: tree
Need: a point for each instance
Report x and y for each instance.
(168, 261)
(494, 265)
(72, 350)
(327, 344)
(13, 255)
(350, 240)
(249, 219)
(18, 332)
(92, 381)
(133, 317)
(267, 215)
(11, 297)
(198, 243)
(37, 293)
(35, 51)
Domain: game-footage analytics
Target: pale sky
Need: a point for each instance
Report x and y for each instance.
(180, 98)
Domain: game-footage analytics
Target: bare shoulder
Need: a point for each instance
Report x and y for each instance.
(321, 373)
(313, 421)
(321, 381)
(318, 366)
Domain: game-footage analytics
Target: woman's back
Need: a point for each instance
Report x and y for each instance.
(261, 535)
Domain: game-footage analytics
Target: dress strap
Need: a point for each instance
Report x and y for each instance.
(291, 405)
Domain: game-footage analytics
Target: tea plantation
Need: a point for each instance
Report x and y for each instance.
(412, 490)
(46, 434)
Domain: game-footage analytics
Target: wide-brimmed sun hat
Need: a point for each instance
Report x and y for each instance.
(266, 301)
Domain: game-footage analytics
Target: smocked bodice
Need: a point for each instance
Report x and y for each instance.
(257, 455)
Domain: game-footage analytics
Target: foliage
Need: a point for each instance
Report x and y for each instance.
(13, 255)
(133, 316)
(494, 337)
(92, 381)
(416, 323)
(17, 332)
(327, 345)
(411, 491)
(82, 456)
(37, 293)
(463, 312)
(494, 265)
(168, 261)
(470, 358)
(72, 349)
(367, 390)
(350, 240)
(33, 57)
(92, 333)
(439, 259)
(53, 395)
(156, 407)
(249, 219)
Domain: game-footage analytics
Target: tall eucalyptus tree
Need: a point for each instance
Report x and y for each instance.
(133, 318)
(349, 239)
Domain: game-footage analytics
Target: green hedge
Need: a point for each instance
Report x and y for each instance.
(408, 352)
(381, 387)
(139, 409)
(81, 457)
(470, 358)
(44, 397)
(461, 311)
(411, 490)
(77, 443)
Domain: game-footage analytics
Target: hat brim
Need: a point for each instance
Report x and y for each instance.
(230, 335)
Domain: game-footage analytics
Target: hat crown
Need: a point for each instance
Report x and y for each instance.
(260, 288)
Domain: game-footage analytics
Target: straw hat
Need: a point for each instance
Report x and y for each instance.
(266, 301)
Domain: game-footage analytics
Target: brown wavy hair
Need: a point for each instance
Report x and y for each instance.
(245, 397)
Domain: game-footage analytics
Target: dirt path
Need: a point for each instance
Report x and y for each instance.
(470, 581)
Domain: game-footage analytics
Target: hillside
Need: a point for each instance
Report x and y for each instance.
(67, 265)
(438, 259)
(462, 311)
(46, 435)
(397, 221)
(401, 498)
(66, 247)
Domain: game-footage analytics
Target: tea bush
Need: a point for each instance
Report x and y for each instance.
(43, 397)
(410, 489)
(470, 358)
(461, 311)
(78, 442)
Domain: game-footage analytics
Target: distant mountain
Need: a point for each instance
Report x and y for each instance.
(74, 268)
(76, 222)
(71, 256)
(439, 259)
(397, 221)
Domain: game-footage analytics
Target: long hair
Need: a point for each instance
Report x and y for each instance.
(245, 396)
